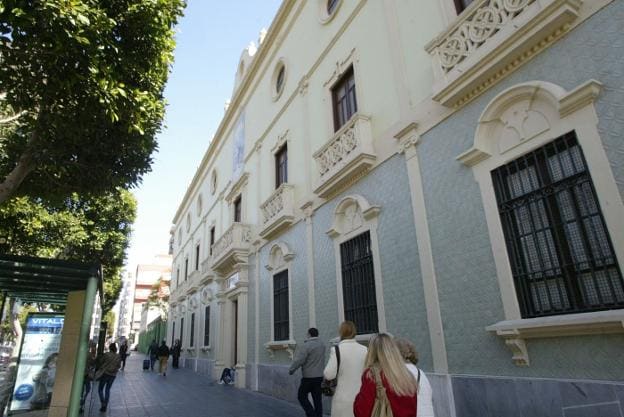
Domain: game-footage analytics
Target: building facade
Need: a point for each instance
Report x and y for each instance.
(447, 171)
(125, 306)
(146, 277)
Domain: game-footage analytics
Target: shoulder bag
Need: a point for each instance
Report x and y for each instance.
(381, 408)
(328, 386)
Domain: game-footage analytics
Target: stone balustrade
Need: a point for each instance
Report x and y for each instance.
(278, 211)
(347, 156)
(232, 247)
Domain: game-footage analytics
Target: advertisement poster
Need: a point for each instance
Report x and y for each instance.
(36, 369)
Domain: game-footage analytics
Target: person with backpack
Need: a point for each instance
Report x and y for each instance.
(163, 358)
(310, 357)
(346, 363)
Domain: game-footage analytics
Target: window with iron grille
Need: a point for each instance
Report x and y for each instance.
(237, 209)
(212, 238)
(344, 100)
(177, 277)
(559, 247)
(192, 341)
(207, 326)
(461, 5)
(358, 283)
(185, 269)
(182, 332)
(281, 166)
(280, 306)
(197, 257)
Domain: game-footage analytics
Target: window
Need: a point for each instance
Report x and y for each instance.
(212, 238)
(182, 332)
(561, 255)
(177, 277)
(207, 326)
(197, 257)
(281, 166)
(185, 269)
(461, 5)
(279, 81)
(237, 209)
(280, 306)
(331, 6)
(213, 182)
(173, 334)
(358, 283)
(192, 341)
(344, 101)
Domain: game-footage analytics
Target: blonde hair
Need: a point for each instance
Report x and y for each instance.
(347, 330)
(383, 354)
(408, 350)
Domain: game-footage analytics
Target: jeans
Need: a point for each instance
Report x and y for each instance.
(106, 381)
(152, 361)
(86, 389)
(313, 386)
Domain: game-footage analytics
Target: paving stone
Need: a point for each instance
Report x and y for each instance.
(136, 393)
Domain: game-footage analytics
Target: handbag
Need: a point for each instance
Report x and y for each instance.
(381, 408)
(328, 386)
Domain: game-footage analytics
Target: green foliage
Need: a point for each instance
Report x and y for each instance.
(109, 318)
(88, 229)
(87, 79)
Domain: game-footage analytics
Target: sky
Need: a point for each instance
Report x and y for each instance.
(211, 37)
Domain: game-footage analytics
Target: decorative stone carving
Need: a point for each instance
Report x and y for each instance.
(288, 346)
(279, 255)
(350, 215)
(232, 248)
(206, 295)
(490, 40)
(278, 211)
(346, 157)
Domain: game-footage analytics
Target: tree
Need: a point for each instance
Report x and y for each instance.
(80, 228)
(159, 296)
(81, 93)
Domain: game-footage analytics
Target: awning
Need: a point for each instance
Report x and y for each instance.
(43, 280)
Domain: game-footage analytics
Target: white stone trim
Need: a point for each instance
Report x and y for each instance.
(556, 112)
(280, 260)
(324, 17)
(408, 141)
(352, 217)
(516, 331)
(287, 345)
(310, 265)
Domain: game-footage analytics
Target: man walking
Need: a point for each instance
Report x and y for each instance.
(311, 358)
(163, 358)
(153, 353)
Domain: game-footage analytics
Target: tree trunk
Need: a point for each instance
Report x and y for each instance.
(15, 178)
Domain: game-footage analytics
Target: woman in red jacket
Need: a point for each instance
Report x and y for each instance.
(386, 376)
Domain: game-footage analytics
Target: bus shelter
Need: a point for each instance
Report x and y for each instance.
(73, 284)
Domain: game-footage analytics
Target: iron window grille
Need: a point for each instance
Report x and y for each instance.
(192, 341)
(281, 166)
(185, 269)
(280, 306)
(559, 247)
(207, 326)
(344, 99)
(212, 238)
(358, 283)
(197, 257)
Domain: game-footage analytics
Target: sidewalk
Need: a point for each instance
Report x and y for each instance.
(137, 393)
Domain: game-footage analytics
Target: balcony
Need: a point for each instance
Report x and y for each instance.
(278, 211)
(492, 38)
(207, 274)
(232, 248)
(347, 157)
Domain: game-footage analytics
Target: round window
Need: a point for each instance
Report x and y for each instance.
(331, 6)
(213, 181)
(279, 83)
(199, 205)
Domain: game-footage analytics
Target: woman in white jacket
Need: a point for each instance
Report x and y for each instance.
(349, 373)
(410, 355)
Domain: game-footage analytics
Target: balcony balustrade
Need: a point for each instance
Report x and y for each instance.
(232, 248)
(492, 38)
(347, 156)
(278, 211)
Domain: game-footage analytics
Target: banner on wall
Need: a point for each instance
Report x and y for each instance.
(36, 367)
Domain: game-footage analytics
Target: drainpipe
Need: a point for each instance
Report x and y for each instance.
(83, 344)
